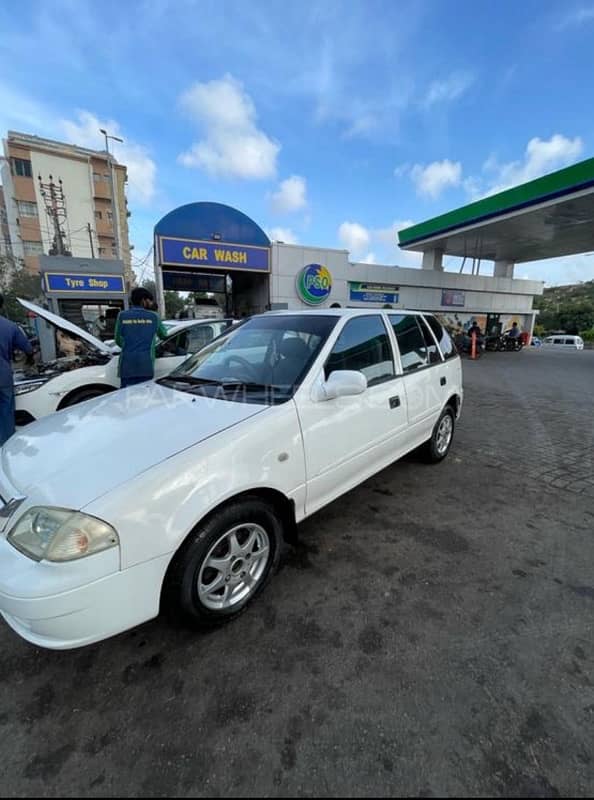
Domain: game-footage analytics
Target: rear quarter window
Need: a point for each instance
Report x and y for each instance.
(446, 344)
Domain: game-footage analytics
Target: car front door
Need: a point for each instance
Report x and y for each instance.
(347, 439)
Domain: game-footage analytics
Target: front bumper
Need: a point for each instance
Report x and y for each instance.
(61, 606)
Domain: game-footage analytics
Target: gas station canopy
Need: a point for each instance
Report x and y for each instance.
(544, 218)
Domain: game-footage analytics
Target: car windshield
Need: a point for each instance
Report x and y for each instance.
(261, 361)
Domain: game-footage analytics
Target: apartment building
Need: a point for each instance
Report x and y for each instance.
(61, 194)
(5, 248)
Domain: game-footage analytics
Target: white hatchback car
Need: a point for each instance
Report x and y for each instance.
(564, 342)
(88, 367)
(182, 492)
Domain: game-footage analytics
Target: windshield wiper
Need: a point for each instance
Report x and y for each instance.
(246, 385)
(187, 379)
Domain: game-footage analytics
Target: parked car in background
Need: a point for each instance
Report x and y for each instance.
(564, 342)
(224, 457)
(87, 367)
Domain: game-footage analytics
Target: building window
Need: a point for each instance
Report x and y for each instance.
(98, 215)
(22, 167)
(97, 177)
(109, 216)
(106, 176)
(26, 208)
(101, 251)
(114, 252)
(32, 248)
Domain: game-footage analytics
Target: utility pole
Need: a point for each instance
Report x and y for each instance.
(91, 239)
(115, 210)
(55, 207)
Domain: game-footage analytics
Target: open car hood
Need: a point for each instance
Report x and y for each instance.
(65, 325)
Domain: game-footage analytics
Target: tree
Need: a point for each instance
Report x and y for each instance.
(17, 281)
(174, 302)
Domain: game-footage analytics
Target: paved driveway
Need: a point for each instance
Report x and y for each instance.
(432, 634)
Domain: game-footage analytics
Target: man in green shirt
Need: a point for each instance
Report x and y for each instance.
(136, 332)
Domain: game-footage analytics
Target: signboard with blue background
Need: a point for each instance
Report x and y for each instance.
(373, 293)
(221, 255)
(77, 284)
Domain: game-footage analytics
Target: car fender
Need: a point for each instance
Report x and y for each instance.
(155, 511)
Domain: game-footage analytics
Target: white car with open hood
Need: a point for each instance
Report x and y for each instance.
(86, 367)
(181, 493)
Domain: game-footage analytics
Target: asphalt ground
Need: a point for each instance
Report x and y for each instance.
(431, 635)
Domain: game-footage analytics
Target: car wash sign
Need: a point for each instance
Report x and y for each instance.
(77, 284)
(219, 255)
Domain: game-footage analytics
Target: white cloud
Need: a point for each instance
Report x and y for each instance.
(387, 238)
(541, 156)
(232, 146)
(142, 169)
(432, 179)
(377, 245)
(284, 235)
(290, 196)
(575, 18)
(354, 237)
(559, 271)
(448, 89)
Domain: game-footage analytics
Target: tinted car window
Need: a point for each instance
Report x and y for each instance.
(432, 348)
(364, 345)
(446, 345)
(411, 342)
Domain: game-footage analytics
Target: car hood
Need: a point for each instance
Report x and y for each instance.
(77, 455)
(65, 325)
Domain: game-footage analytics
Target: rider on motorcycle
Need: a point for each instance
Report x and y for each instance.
(513, 336)
(514, 332)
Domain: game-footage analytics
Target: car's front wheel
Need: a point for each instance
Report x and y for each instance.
(226, 562)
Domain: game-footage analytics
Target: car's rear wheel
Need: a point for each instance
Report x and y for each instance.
(225, 563)
(438, 446)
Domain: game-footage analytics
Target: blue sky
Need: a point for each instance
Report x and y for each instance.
(331, 123)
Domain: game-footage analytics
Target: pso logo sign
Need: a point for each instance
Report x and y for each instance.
(314, 284)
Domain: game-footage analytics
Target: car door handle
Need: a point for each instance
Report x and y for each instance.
(443, 381)
(394, 401)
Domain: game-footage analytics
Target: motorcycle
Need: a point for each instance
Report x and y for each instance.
(504, 343)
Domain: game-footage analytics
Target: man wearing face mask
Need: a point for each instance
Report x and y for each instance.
(136, 332)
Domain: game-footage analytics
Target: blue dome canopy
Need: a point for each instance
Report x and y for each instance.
(205, 220)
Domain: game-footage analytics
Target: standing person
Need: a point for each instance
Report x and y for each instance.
(11, 338)
(475, 328)
(136, 332)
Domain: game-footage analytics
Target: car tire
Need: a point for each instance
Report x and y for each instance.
(438, 446)
(81, 395)
(225, 563)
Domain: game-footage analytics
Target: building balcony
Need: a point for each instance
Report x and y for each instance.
(102, 189)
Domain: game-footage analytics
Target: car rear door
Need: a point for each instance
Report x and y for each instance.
(450, 371)
(423, 373)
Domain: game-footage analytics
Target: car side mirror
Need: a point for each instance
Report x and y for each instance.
(341, 383)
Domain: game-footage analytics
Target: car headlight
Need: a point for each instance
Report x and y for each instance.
(23, 388)
(57, 534)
